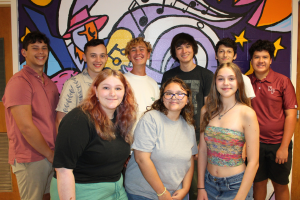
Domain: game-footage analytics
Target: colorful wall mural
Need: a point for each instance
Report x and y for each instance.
(71, 23)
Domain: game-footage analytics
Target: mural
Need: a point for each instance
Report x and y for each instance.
(70, 24)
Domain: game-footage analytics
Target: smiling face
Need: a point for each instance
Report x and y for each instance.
(185, 53)
(226, 82)
(225, 54)
(95, 58)
(36, 54)
(261, 61)
(110, 93)
(174, 105)
(138, 55)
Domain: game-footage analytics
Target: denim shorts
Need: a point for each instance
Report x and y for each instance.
(224, 188)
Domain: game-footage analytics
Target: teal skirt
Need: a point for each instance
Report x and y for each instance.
(94, 191)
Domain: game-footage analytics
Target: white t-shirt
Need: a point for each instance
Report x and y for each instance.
(248, 87)
(145, 90)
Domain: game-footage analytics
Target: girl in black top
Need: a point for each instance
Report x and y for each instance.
(94, 140)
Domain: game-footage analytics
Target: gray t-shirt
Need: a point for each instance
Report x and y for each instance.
(171, 143)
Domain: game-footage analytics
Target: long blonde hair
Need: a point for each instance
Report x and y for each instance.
(214, 104)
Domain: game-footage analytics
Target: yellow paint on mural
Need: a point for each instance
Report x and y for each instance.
(250, 71)
(277, 46)
(41, 2)
(241, 38)
(26, 32)
(116, 49)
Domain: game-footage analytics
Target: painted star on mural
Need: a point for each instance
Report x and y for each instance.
(26, 32)
(241, 38)
(277, 46)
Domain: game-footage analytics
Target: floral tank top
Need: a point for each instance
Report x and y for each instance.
(224, 146)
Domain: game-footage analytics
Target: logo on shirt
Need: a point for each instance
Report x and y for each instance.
(153, 99)
(271, 89)
(195, 87)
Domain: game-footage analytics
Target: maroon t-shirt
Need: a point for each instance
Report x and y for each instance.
(274, 95)
(26, 88)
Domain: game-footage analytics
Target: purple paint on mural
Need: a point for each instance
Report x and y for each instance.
(224, 19)
(82, 3)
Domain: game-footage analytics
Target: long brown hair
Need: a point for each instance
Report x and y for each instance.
(214, 104)
(126, 111)
(187, 112)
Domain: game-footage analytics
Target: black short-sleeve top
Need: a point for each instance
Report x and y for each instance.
(79, 147)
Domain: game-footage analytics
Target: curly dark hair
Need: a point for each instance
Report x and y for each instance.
(187, 111)
(261, 45)
(227, 42)
(180, 39)
(34, 37)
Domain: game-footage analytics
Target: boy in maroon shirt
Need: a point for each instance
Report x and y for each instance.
(275, 105)
(30, 100)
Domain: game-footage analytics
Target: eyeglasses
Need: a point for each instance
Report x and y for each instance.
(178, 96)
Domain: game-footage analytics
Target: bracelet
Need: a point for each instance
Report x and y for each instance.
(162, 193)
(201, 188)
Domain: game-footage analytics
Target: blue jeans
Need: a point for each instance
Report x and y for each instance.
(136, 197)
(224, 188)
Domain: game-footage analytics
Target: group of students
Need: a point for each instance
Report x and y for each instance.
(197, 122)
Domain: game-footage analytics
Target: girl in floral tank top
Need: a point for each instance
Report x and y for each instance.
(227, 123)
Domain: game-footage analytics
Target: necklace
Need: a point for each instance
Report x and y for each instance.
(220, 116)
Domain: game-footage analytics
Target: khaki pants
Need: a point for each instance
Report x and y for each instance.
(33, 178)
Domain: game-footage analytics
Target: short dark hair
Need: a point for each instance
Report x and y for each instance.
(34, 37)
(227, 42)
(93, 43)
(183, 38)
(261, 45)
